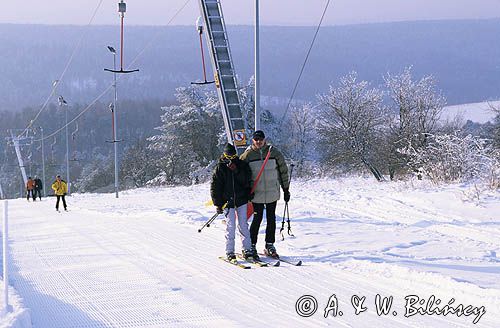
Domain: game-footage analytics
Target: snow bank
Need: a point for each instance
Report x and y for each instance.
(19, 317)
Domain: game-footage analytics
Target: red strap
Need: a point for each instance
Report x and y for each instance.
(261, 170)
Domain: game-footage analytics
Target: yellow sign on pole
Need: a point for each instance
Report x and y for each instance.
(216, 78)
(240, 138)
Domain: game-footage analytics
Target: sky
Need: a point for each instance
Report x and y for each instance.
(273, 12)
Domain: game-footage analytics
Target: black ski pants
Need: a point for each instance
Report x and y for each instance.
(59, 197)
(257, 219)
(30, 193)
(37, 192)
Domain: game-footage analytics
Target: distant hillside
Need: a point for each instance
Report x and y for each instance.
(463, 55)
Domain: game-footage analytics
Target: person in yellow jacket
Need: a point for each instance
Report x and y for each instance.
(60, 189)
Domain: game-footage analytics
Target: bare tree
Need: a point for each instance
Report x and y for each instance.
(349, 121)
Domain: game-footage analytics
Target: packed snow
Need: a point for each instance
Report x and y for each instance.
(139, 261)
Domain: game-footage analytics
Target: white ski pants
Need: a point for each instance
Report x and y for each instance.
(239, 215)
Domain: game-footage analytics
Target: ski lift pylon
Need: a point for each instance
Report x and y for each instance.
(199, 28)
(122, 8)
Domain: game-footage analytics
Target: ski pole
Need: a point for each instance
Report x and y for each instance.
(207, 224)
(286, 212)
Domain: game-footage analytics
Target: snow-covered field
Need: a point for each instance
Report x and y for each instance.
(138, 261)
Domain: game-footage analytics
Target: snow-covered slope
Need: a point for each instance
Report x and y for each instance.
(476, 112)
(138, 261)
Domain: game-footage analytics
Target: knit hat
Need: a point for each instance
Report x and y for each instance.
(229, 149)
(259, 134)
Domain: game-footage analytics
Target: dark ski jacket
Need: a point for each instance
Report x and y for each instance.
(232, 186)
(38, 184)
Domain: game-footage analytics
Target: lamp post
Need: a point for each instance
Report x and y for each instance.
(63, 103)
(257, 68)
(112, 107)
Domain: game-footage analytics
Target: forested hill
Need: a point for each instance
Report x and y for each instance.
(463, 55)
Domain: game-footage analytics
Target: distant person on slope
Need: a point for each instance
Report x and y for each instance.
(267, 190)
(30, 186)
(60, 189)
(38, 188)
(231, 185)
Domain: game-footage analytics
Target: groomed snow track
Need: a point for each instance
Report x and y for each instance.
(140, 262)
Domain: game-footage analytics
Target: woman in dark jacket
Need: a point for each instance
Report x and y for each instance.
(231, 187)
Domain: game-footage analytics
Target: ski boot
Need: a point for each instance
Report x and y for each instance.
(270, 251)
(231, 257)
(248, 254)
(255, 255)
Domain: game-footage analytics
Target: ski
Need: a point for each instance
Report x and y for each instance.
(253, 261)
(275, 263)
(235, 262)
(283, 259)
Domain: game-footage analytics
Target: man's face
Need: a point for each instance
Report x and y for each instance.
(258, 142)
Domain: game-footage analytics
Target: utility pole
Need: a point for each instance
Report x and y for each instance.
(63, 103)
(43, 165)
(257, 68)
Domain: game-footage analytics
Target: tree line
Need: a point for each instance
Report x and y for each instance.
(391, 132)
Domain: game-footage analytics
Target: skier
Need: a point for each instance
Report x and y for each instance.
(38, 188)
(60, 189)
(267, 191)
(30, 186)
(231, 185)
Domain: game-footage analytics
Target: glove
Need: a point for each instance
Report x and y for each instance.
(286, 195)
(232, 166)
(219, 210)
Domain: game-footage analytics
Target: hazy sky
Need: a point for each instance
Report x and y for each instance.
(273, 12)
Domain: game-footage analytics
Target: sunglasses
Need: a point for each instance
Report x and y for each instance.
(230, 156)
(258, 139)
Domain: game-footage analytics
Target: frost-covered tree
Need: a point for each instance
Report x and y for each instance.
(418, 106)
(455, 158)
(349, 122)
(96, 175)
(189, 135)
(495, 130)
(139, 165)
(297, 138)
